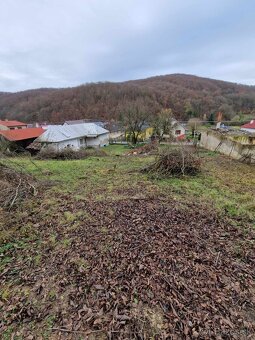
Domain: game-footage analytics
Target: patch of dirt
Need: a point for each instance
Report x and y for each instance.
(136, 269)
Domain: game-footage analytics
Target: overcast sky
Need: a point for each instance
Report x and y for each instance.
(60, 43)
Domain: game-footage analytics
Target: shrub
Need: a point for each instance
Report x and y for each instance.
(180, 161)
(145, 149)
(15, 186)
(68, 153)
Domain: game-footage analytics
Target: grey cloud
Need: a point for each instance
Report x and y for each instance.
(57, 43)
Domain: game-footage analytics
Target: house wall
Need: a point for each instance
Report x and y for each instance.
(3, 127)
(100, 141)
(223, 144)
(176, 128)
(75, 144)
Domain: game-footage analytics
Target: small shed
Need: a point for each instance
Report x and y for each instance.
(21, 137)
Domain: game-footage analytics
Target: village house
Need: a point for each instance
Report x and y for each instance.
(20, 138)
(12, 125)
(81, 121)
(74, 136)
(116, 132)
(178, 130)
(249, 127)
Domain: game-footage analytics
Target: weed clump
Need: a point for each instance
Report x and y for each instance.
(69, 154)
(180, 161)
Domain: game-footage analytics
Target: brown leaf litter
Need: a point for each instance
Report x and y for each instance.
(134, 270)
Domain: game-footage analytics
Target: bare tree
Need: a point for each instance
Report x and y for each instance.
(134, 115)
(194, 124)
(163, 123)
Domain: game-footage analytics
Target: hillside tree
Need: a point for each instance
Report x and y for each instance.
(162, 123)
(134, 115)
(194, 124)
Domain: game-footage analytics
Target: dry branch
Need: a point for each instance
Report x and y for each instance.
(180, 161)
(15, 185)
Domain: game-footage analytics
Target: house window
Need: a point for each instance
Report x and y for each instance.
(177, 132)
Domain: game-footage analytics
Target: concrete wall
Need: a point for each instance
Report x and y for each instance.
(226, 145)
(248, 130)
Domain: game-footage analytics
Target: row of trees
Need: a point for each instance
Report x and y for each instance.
(141, 113)
(188, 97)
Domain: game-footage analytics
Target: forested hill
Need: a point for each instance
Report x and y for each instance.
(186, 95)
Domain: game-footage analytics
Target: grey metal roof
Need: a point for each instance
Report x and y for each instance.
(80, 121)
(58, 133)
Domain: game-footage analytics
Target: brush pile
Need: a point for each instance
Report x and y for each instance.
(15, 186)
(145, 149)
(69, 154)
(180, 161)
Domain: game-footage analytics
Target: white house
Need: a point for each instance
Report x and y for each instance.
(74, 136)
(178, 129)
(250, 127)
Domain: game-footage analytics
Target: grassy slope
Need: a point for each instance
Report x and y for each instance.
(225, 185)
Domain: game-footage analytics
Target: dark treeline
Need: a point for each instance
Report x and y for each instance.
(187, 96)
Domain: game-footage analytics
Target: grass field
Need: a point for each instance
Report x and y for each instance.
(227, 185)
(92, 194)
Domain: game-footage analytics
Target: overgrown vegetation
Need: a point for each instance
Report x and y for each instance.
(68, 153)
(15, 185)
(110, 251)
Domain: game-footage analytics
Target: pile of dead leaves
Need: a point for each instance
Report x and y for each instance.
(15, 186)
(178, 161)
(137, 269)
(146, 149)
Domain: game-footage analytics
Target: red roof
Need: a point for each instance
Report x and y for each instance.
(250, 125)
(21, 134)
(11, 123)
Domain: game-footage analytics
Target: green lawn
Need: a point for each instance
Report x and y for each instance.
(225, 184)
